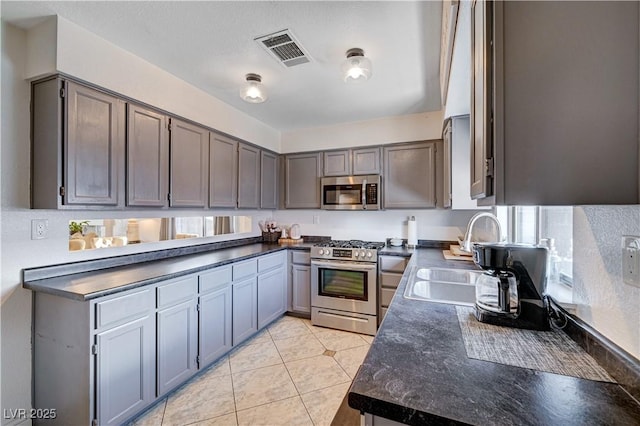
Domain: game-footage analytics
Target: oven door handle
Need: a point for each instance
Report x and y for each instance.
(345, 266)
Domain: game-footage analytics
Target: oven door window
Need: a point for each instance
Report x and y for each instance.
(340, 195)
(343, 284)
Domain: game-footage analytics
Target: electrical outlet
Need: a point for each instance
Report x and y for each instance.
(316, 220)
(39, 229)
(631, 260)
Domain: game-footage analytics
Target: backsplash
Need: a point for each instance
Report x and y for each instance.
(603, 300)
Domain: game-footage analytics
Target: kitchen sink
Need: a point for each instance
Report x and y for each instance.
(455, 286)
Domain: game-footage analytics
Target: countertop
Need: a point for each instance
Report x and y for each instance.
(90, 285)
(417, 372)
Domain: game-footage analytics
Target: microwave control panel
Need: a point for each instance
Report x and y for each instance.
(371, 193)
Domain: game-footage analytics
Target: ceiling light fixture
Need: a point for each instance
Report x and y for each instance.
(356, 67)
(253, 90)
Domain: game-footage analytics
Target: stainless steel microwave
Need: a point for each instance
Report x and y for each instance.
(351, 192)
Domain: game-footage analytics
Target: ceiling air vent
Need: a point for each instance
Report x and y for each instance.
(283, 46)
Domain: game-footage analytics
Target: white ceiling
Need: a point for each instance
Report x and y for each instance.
(210, 44)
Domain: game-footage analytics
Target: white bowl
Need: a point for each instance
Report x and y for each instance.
(396, 242)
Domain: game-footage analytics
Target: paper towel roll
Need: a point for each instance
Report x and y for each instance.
(412, 232)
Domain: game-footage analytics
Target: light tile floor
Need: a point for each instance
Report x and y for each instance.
(292, 373)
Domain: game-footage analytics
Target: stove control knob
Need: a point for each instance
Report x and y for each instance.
(369, 254)
(321, 252)
(362, 253)
(355, 253)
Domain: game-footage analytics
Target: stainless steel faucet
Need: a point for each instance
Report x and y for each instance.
(466, 242)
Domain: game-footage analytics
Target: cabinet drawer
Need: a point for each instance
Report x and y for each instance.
(393, 263)
(128, 307)
(301, 257)
(245, 269)
(386, 294)
(389, 280)
(177, 290)
(271, 261)
(215, 278)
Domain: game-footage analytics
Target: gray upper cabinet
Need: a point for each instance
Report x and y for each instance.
(561, 123)
(223, 171)
(410, 175)
(337, 163)
(366, 161)
(302, 180)
(78, 146)
(268, 180)
(189, 164)
(360, 161)
(147, 157)
(248, 176)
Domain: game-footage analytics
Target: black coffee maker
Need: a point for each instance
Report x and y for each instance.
(511, 292)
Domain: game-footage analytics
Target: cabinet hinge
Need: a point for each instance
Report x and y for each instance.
(62, 192)
(198, 359)
(62, 92)
(488, 166)
(94, 349)
(169, 125)
(198, 307)
(94, 422)
(169, 196)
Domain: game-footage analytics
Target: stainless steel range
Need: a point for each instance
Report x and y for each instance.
(343, 285)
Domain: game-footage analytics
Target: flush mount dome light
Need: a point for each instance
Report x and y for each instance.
(356, 67)
(253, 91)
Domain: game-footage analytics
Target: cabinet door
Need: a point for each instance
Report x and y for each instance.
(177, 344)
(446, 137)
(215, 324)
(248, 177)
(301, 288)
(337, 163)
(147, 157)
(269, 180)
(245, 309)
(125, 370)
(189, 164)
(223, 172)
(366, 161)
(94, 147)
(302, 183)
(410, 176)
(272, 296)
(481, 100)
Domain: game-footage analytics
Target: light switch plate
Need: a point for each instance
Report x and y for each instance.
(39, 229)
(631, 260)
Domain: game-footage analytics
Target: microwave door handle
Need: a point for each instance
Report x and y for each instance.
(364, 194)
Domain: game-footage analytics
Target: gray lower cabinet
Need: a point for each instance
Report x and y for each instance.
(268, 180)
(147, 157)
(223, 171)
(302, 180)
(177, 322)
(410, 175)
(390, 270)
(215, 314)
(272, 288)
(78, 146)
(124, 370)
(115, 355)
(248, 176)
(189, 168)
(300, 282)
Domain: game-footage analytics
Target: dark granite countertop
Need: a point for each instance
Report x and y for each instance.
(417, 372)
(93, 284)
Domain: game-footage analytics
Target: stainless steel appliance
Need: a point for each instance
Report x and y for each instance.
(511, 292)
(351, 192)
(343, 285)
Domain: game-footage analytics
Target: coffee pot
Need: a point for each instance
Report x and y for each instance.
(511, 292)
